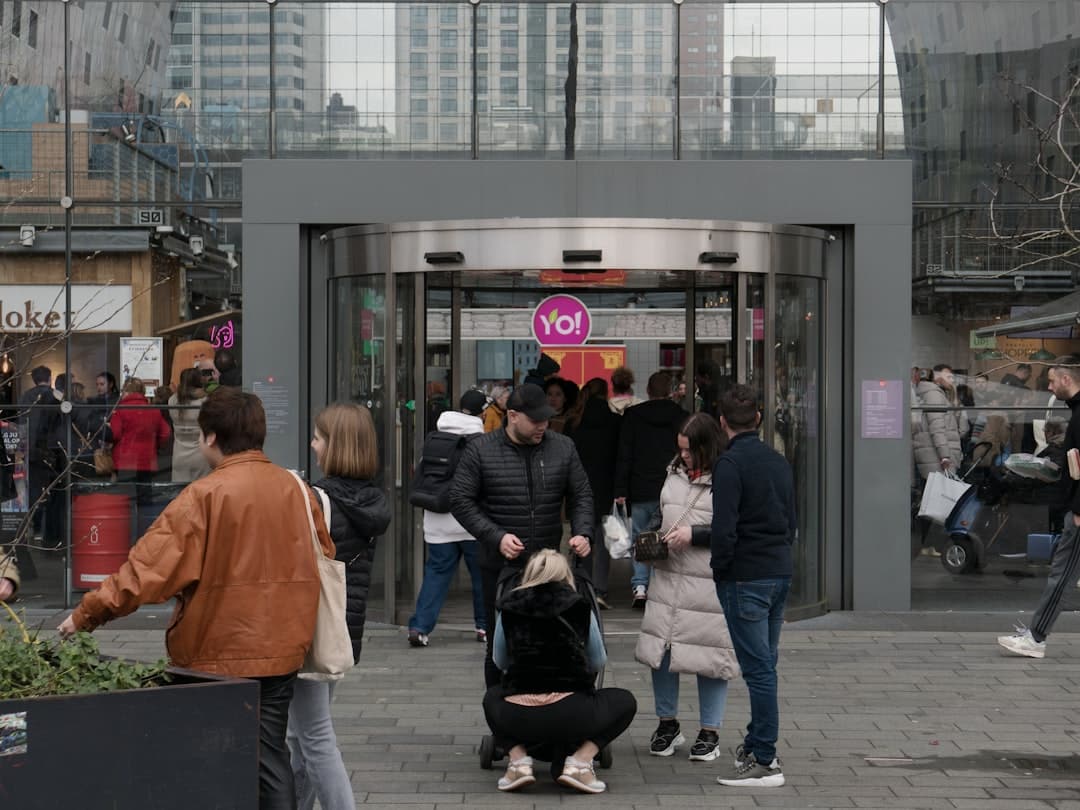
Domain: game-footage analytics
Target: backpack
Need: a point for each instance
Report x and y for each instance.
(438, 459)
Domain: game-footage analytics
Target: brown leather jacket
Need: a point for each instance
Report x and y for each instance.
(235, 550)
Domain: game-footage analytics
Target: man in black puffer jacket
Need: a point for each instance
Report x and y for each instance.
(508, 493)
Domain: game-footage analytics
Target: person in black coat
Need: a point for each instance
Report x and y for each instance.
(41, 410)
(648, 441)
(594, 429)
(508, 493)
(356, 511)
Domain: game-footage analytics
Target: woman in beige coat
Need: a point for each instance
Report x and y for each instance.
(188, 463)
(684, 630)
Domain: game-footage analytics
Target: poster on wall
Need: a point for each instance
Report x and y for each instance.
(582, 363)
(13, 512)
(142, 357)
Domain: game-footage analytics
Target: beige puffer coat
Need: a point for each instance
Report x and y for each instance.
(683, 612)
(938, 435)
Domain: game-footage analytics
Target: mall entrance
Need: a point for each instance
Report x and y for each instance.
(421, 312)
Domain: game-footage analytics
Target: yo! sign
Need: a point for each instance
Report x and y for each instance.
(561, 320)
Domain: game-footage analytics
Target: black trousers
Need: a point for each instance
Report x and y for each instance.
(560, 729)
(276, 789)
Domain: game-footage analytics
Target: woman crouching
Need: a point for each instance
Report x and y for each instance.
(548, 645)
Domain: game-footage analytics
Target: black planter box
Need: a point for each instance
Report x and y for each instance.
(191, 744)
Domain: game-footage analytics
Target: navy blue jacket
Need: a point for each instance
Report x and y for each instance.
(753, 512)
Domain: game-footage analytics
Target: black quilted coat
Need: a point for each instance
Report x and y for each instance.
(358, 514)
(500, 487)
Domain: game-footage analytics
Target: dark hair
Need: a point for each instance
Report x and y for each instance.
(622, 379)
(236, 418)
(739, 407)
(110, 380)
(224, 360)
(659, 385)
(60, 384)
(707, 441)
(1023, 367)
(942, 367)
(569, 390)
(41, 375)
(596, 388)
(190, 382)
(1068, 363)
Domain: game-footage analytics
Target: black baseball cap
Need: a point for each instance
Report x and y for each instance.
(473, 402)
(530, 400)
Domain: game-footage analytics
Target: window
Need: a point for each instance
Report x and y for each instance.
(959, 17)
(963, 144)
(418, 84)
(508, 14)
(31, 30)
(978, 69)
(999, 57)
(448, 84)
(157, 57)
(448, 14)
(594, 15)
(448, 60)
(508, 86)
(417, 62)
(122, 36)
(944, 94)
(481, 37)
(593, 63)
(509, 62)
(1036, 28)
(922, 107)
(654, 41)
(624, 17)
(624, 40)
(418, 130)
(624, 70)
(417, 16)
(448, 132)
(418, 38)
(562, 15)
(654, 16)
(418, 105)
(16, 18)
(86, 68)
(107, 16)
(942, 34)
(448, 105)
(562, 39)
(508, 39)
(481, 85)
(150, 53)
(448, 38)
(593, 39)
(653, 64)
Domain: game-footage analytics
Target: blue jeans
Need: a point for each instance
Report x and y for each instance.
(755, 613)
(318, 769)
(442, 563)
(640, 513)
(712, 695)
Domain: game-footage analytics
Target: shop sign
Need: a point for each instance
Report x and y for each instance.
(561, 320)
(976, 342)
(40, 308)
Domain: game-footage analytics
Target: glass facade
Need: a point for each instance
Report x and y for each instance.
(124, 126)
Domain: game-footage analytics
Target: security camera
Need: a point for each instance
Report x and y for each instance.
(196, 245)
(230, 259)
(1018, 283)
(323, 238)
(27, 233)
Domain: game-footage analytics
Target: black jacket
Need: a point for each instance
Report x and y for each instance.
(546, 629)
(358, 514)
(753, 512)
(500, 487)
(41, 422)
(648, 441)
(597, 441)
(1072, 439)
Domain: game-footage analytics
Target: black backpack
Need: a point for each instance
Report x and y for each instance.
(438, 459)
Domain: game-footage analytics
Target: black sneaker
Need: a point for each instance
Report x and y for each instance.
(666, 739)
(417, 639)
(753, 774)
(641, 597)
(706, 747)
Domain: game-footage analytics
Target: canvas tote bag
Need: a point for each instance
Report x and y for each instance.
(330, 655)
(940, 496)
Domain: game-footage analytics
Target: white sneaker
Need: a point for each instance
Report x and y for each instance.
(1023, 643)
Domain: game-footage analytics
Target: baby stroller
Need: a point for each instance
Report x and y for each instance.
(982, 515)
(490, 751)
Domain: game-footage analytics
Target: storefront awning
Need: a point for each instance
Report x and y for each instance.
(1065, 311)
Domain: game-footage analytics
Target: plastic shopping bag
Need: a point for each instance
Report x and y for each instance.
(943, 491)
(617, 532)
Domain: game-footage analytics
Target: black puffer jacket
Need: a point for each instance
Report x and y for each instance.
(546, 654)
(597, 440)
(648, 440)
(501, 487)
(358, 514)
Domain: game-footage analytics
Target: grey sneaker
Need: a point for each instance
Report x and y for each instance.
(666, 739)
(740, 755)
(753, 774)
(1023, 643)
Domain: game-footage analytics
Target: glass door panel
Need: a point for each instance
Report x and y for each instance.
(716, 331)
(795, 414)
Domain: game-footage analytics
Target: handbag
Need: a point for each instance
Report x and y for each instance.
(617, 532)
(940, 496)
(330, 654)
(103, 459)
(652, 546)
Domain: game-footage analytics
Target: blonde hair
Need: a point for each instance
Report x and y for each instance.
(133, 385)
(351, 446)
(546, 566)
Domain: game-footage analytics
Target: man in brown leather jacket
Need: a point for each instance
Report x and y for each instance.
(234, 549)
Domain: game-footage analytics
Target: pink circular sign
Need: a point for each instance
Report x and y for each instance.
(561, 320)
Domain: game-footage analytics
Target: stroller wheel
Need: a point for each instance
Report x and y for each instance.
(958, 556)
(604, 758)
(487, 751)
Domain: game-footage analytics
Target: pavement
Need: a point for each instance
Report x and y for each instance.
(914, 710)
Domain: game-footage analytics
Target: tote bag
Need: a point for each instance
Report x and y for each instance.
(330, 655)
(940, 496)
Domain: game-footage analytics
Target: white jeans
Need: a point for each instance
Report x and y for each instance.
(316, 761)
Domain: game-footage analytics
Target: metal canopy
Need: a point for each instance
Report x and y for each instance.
(1065, 311)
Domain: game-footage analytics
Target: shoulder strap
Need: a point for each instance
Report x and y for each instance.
(311, 518)
(689, 507)
(324, 499)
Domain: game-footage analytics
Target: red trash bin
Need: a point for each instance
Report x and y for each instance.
(100, 537)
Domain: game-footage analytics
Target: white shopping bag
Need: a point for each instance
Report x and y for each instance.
(943, 491)
(617, 532)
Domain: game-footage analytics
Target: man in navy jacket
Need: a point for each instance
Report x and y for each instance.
(752, 531)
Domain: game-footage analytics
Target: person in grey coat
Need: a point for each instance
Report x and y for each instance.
(684, 629)
(937, 439)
